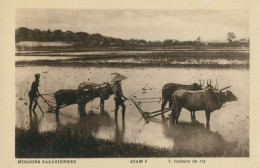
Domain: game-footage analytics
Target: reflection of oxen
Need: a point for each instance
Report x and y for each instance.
(94, 122)
(69, 97)
(105, 90)
(170, 88)
(208, 100)
(91, 123)
(192, 140)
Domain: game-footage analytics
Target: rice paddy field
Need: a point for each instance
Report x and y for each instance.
(207, 58)
(228, 136)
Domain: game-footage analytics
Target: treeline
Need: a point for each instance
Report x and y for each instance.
(83, 39)
(86, 39)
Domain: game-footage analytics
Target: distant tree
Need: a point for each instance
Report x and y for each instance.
(82, 36)
(44, 36)
(37, 34)
(96, 37)
(143, 42)
(168, 42)
(48, 35)
(57, 35)
(70, 37)
(34, 35)
(198, 40)
(22, 34)
(176, 43)
(230, 37)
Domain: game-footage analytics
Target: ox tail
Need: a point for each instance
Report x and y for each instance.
(162, 99)
(175, 112)
(174, 103)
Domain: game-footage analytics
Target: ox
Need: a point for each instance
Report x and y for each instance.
(105, 90)
(68, 97)
(170, 88)
(208, 100)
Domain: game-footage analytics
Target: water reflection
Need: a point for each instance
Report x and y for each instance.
(33, 122)
(91, 122)
(137, 78)
(194, 137)
(119, 134)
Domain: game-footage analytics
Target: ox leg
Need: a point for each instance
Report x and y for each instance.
(170, 103)
(178, 113)
(193, 116)
(57, 113)
(164, 102)
(173, 115)
(102, 105)
(81, 109)
(84, 108)
(208, 118)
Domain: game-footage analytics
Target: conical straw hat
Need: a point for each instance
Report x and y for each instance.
(118, 77)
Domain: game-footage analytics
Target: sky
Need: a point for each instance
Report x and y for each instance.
(147, 24)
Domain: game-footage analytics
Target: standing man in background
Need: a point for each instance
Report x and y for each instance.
(118, 95)
(34, 93)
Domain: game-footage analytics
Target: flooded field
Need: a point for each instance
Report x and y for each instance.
(207, 58)
(33, 58)
(229, 124)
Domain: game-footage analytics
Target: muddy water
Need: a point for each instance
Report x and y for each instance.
(229, 124)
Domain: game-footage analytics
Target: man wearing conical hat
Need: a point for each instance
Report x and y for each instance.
(118, 95)
(34, 93)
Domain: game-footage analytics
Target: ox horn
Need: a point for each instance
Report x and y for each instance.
(225, 88)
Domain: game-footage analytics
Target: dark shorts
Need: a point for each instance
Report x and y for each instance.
(119, 102)
(32, 95)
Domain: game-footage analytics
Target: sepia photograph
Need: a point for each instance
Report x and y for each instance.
(131, 83)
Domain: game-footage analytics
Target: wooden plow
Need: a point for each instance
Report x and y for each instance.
(50, 104)
(149, 115)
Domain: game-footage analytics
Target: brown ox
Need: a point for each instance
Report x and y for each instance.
(66, 97)
(105, 90)
(208, 100)
(169, 88)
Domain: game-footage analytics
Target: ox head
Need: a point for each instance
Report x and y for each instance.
(105, 91)
(229, 96)
(109, 88)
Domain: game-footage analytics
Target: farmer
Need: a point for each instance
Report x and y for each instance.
(118, 95)
(34, 93)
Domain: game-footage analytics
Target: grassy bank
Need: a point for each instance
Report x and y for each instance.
(67, 143)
